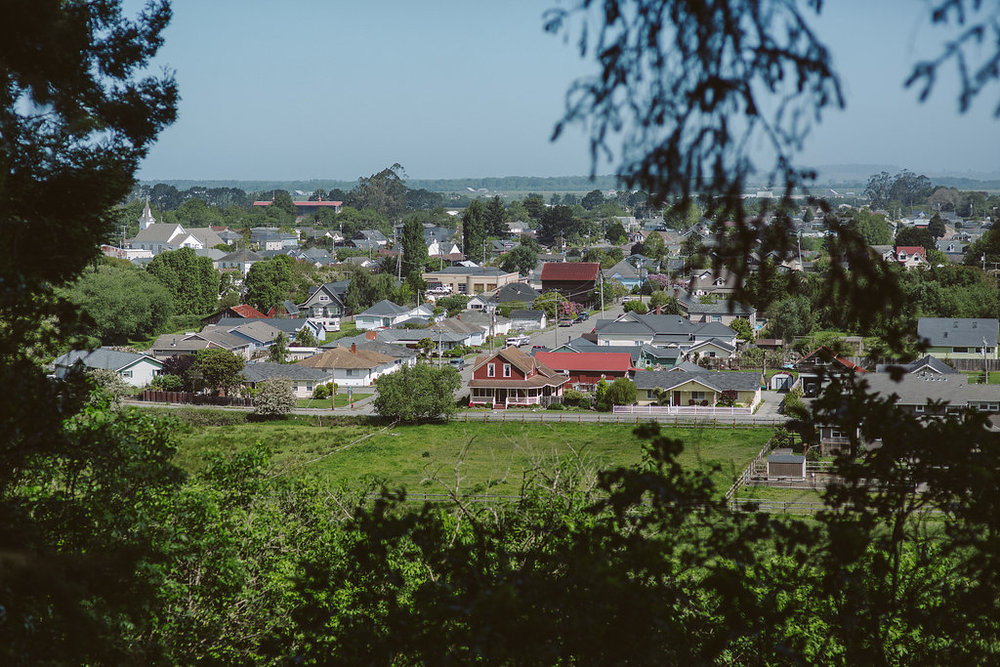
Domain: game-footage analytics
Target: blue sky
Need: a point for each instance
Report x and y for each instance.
(451, 88)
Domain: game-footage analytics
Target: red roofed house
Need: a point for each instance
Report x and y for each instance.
(586, 369)
(243, 310)
(911, 256)
(574, 280)
(511, 378)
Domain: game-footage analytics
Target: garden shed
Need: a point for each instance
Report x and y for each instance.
(785, 465)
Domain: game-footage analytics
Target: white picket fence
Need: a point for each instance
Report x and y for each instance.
(693, 410)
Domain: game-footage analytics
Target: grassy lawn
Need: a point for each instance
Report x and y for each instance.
(494, 456)
(780, 494)
(346, 329)
(976, 377)
(340, 401)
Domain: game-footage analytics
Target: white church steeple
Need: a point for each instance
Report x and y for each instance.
(146, 219)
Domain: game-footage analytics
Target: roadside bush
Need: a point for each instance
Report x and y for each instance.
(556, 406)
(274, 398)
(168, 382)
(322, 391)
(576, 398)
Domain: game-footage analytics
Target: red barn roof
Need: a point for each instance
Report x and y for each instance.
(247, 311)
(619, 362)
(581, 271)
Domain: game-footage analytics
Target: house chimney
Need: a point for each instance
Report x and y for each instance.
(458, 317)
(354, 348)
(657, 309)
(371, 335)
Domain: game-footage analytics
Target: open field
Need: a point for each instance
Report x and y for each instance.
(493, 457)
(340, 400)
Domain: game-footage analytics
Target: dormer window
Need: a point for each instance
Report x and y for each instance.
(491, 370)
(506, 370)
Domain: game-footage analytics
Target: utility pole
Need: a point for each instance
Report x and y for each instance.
(602, 293)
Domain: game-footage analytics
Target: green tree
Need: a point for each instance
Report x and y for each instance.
(743, 328)
(913, 236)
(790, 317)
(620, 392)
(936, 226)
(413, 246)
(220, 369)
(535, 206)
(521, 258)
(418, 393)
(616, 234)
(384, 192)
(495, 218)
(121, 302)
(191, 280)
(278, 352)
(873, 227)
(549, 303)
(592, 200)
(635, 306)
(667, 303)
(304, 338)
(557, 225)
(274, 398)
(283, 201)
(269, 282)
(473, 232)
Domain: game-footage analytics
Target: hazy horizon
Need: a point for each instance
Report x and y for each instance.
(322, 91)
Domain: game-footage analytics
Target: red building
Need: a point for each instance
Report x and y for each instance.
(574, 280)
(586, 369)
(511, 378)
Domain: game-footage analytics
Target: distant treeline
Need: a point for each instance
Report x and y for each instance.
(493, 184)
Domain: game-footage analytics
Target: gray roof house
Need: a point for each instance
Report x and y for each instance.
(527, 319)
(326, 300)
(643, 356)
(661, 331)
(685, 388)
(304, 378)
(135, 369)
(928, 364)
(960, 338)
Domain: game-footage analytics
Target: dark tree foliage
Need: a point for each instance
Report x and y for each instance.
(558, 225)
(385, 192)
(414, 249)
(268, 283)
(915, 236)
(192, 281)
(495, 218)
(76, 116)
(474, 232)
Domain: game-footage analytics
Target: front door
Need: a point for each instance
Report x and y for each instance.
(677, 398)
(501, 396)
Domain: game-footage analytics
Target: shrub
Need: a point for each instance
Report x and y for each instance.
(322, 391)
(274, 398)
(576, 398)
(555, 406)
(167, 382)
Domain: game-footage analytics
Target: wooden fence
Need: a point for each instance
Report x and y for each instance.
(192, 398)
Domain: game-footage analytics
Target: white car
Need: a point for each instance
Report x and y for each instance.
(520, 341)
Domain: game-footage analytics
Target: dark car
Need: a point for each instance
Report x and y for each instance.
(582, 317)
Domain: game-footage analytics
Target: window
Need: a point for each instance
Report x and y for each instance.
(506, 370)
(350, 372)
(324, 298)
(697, 396)
(126, 374)
(309, 386)
(491, 370)
(918, 409)
(960, 349)
(716, 318)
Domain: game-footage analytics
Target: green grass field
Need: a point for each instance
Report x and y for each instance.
(493, 456)
(340, 401)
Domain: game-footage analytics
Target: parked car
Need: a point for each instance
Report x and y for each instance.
(565, 322)
(582, 317)
(519, 341)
